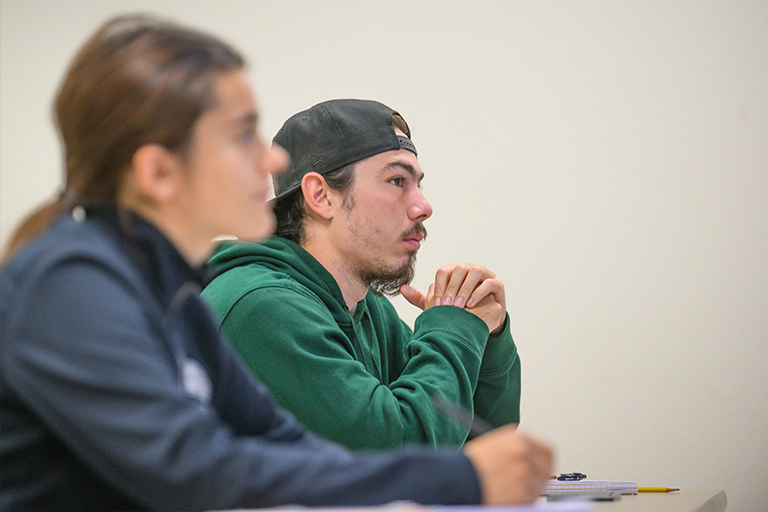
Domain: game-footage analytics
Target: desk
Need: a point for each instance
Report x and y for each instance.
(684, 500)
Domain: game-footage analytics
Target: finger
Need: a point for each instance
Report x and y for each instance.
(457, 278)
(442, 276)
(413, 296)
(430, 300)
(488, 287)
(541, 455)
(536, 459)
(475, 275)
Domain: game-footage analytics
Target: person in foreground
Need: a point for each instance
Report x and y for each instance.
(118, 393)
(306, 309)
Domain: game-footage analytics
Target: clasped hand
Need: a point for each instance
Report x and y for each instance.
(467, 286)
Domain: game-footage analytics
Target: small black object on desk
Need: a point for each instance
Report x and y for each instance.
(570, 477)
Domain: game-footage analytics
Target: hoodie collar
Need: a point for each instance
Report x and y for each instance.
(164, 268)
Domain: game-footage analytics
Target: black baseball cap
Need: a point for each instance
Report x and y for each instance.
(334, 134)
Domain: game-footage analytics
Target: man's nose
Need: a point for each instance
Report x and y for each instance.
(420, 210)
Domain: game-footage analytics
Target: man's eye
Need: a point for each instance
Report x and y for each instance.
(397, 182)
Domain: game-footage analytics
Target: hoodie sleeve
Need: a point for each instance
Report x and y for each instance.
(497, 396)
(292, 342)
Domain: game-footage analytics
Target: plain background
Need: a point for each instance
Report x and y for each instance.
(608, 160)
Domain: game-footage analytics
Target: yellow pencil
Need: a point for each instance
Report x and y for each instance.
(656, 489)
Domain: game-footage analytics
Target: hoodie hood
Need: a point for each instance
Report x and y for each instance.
(246, 262)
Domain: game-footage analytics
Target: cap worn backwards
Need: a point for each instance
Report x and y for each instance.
(334, 134)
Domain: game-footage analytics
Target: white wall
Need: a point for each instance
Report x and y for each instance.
(607, 159)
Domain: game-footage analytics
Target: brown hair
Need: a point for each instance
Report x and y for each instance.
(137, 80)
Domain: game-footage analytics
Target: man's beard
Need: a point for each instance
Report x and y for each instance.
(387, 281)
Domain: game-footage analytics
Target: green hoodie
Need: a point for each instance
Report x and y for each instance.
(363, 380)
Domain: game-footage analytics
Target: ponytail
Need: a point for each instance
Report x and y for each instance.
(32, 226)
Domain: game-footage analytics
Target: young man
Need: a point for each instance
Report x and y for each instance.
(305, 309)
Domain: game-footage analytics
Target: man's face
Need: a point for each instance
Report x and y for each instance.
(380, 227)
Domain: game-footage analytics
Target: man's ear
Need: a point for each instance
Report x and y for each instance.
(157, 173)
(318, 195)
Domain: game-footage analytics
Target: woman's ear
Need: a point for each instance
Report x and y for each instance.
(318, 195)
(157, 173)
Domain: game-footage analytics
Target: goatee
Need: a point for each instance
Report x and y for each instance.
(389, 283)
(385, 281)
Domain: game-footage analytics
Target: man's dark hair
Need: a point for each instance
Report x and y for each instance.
(291, 210)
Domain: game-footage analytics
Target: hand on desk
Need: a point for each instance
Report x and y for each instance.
(468, 286)
(511, 467)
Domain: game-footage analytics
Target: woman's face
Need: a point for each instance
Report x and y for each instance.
(228, 165)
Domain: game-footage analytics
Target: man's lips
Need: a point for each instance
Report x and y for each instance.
(414, 236)
(414, 241)
(412, 244)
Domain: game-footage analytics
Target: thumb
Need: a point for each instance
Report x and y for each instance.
(413, 296)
